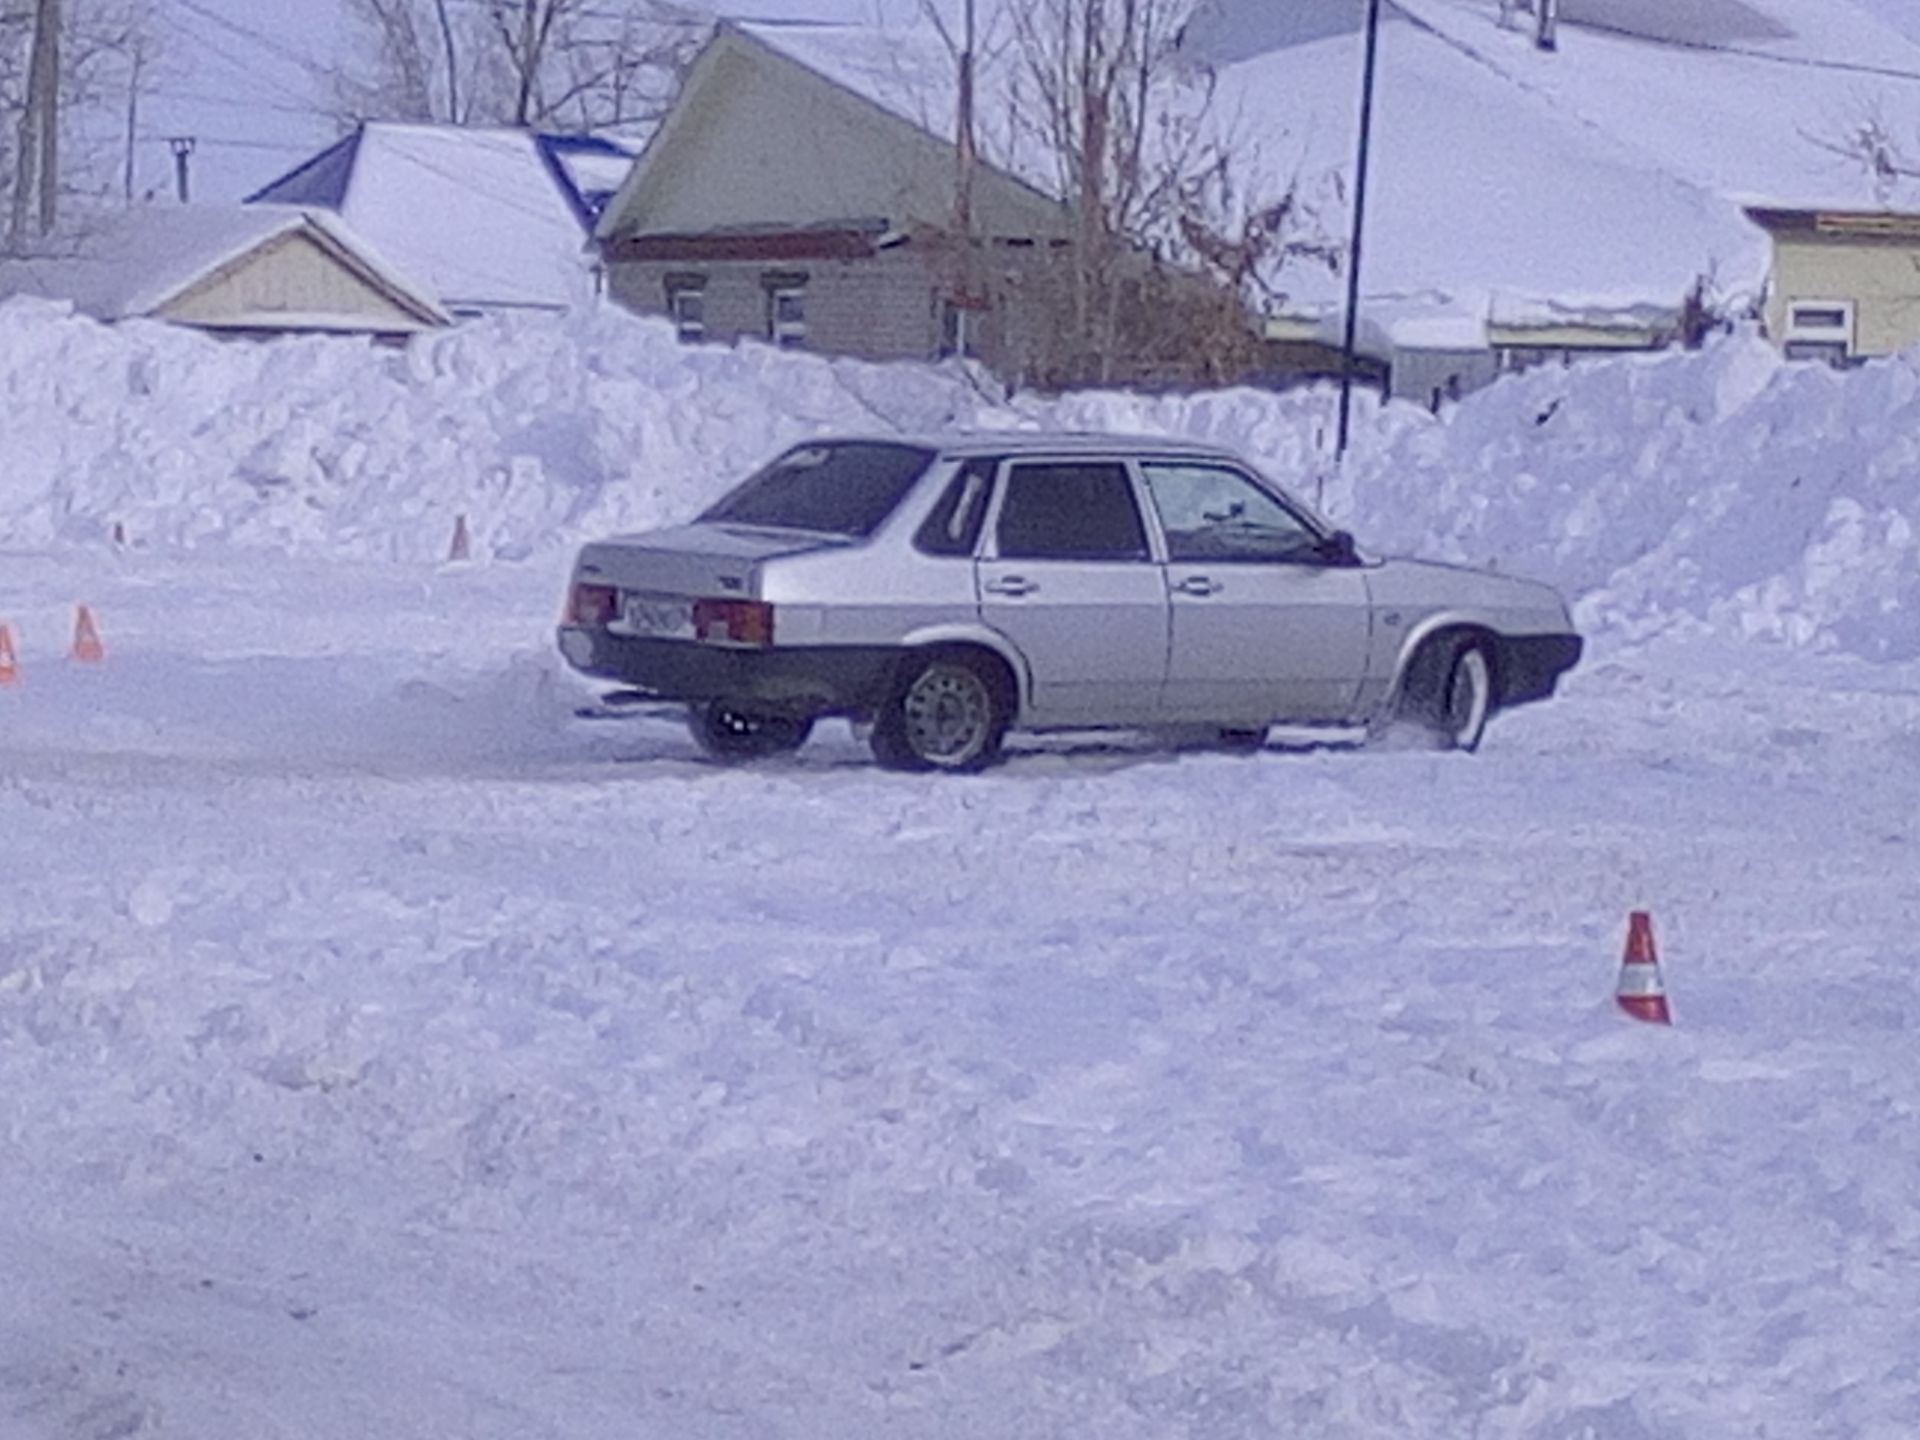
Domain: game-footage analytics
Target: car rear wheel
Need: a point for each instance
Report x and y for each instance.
(950, 712)
(1448, 692)
(729, 733)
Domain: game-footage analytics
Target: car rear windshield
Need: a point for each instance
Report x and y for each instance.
(843, 488)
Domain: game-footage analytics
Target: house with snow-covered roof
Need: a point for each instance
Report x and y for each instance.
(494, 221)
(783, 201)
(1525, 203)
(1532, 200)
(233, 270)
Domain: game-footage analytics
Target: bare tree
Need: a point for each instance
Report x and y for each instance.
(1169, 241)
(101, 63)
(578, 64)
(1871, 145)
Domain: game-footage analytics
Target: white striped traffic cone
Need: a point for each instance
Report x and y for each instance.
(1642, 993)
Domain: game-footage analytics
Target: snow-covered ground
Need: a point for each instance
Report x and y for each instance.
(385, 1051)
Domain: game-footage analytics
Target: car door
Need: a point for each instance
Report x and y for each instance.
(1067, 575)
(1265, 625)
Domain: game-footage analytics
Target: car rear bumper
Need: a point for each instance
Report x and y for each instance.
(797, 680)
(1531, 665)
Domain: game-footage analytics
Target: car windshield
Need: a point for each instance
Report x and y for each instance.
(842, 488)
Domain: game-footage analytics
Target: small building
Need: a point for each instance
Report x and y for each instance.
(1846, 283)
(776, 203)
(235, 270)
(493, 221)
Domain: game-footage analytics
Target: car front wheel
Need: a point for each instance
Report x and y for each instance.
(1448, 692)
(950, 712)
(732, 734)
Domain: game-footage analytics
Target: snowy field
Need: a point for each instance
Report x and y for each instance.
(387, 1052)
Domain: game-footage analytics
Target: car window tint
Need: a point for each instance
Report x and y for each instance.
(1070, 511)
(1212, 512)
(843, 488)
(953, 526)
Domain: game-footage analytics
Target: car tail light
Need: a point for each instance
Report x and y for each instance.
(594, 605)
(733, 622)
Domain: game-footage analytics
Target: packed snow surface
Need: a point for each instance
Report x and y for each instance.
(387, 1051)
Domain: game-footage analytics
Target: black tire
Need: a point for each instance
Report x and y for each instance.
(948, 711)
(1448, 691)
(728, 733)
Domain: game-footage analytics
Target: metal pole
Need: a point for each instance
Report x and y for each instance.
(182, 148)
(1359, 227)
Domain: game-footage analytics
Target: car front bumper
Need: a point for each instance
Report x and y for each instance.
(796, 680)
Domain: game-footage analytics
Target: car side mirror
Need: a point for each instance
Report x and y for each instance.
(1338, 549)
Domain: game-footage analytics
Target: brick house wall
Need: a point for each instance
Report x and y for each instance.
(880, 307)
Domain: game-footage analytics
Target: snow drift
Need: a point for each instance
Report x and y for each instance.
(1723, 488)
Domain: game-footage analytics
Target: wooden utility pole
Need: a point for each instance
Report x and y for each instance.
(968, 297)
(38, 166)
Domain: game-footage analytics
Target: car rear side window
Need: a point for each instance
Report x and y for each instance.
(953, 527)
(1070, 511)
(840, 488)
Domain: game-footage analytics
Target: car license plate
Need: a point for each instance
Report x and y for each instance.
(666, 615)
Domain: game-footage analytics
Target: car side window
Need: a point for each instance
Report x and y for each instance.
(1070, 510)
(1215, 513)
(953, 525)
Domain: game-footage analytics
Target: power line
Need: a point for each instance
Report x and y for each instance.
(286, 147)
(232, 103)
(1809, 62)
(266, 42)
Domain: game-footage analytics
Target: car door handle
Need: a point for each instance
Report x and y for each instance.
(1198, 585)
(1010, 585)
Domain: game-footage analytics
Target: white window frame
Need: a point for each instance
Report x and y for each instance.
(690, 329)
(1816, 337)
(787, 334)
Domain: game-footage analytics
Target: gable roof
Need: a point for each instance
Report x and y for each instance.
(138, 262)
(860, 120)
(491, 219)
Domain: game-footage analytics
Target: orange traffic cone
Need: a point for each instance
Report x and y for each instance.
(9, 666)
(86, 639)
(1642, 993)
(462, 546)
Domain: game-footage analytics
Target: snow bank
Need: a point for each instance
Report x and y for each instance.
(1725, 489)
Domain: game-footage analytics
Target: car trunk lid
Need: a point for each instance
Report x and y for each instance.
(694, 560)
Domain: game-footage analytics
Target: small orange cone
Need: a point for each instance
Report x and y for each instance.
(87, 648)
(1642, 993)
(9, 666)
(462, 546)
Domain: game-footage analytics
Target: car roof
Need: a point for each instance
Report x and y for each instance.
(1030, 442)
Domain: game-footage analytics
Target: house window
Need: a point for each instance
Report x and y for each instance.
(786, 310)
(687, 306)
(1819, 330)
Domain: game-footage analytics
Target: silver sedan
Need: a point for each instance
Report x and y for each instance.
(946, 590)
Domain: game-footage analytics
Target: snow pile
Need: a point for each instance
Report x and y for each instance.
(540, 430)
(1726, 488)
